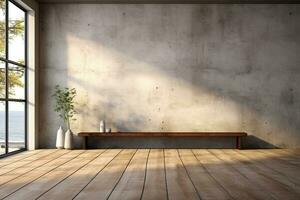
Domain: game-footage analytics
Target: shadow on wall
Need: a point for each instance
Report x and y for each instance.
(253, 142)
(177, 67)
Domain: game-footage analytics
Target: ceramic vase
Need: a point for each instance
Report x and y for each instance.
(102, 126)
(60, 138)
(69, 139)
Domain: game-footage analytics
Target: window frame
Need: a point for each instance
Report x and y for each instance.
(6, 60)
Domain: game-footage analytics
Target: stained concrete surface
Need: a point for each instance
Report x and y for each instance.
(174, 68)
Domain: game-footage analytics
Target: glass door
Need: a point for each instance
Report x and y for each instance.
(13, 76)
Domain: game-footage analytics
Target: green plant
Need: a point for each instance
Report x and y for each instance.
(65, 105)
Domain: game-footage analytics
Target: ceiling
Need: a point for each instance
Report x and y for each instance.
(169, 1)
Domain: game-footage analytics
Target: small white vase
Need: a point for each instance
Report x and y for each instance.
(69, 139)
(60, 138)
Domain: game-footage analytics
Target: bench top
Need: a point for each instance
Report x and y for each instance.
(163, 134)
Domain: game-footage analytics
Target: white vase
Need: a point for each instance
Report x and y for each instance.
(60, 138)
(69, 139)
(102, 126)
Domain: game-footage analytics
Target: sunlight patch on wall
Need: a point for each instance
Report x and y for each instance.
(133, 95)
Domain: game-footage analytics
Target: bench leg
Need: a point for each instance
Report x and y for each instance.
(238, 142)
(84, 142)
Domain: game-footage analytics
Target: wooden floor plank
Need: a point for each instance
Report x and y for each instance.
(207, 187)
(70, 187)
(15, 173)
(19, 156)
(152, 174)
(102, 185)
(155, 183)
(264, 169)
(238, 186)
(279, 154)
(131, 184)
(291, 172)
(39, 186)
(294, 151)
(28, 178)
(286, 152)
(179, 185)
(25, 161)
(276, 190)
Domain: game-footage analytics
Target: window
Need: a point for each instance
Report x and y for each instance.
(13, 76)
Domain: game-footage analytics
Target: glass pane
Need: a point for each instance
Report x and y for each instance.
(16, 126)
(16, 82)
(2, 28)
(2, 80)
(16, 23)
(2, 127)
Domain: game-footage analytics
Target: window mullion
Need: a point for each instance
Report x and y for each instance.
(6, 77)
(26, 78)
(12, 62)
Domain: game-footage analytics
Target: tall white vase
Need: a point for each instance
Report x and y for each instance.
(60, 138)
(102, 126)
(69, 139)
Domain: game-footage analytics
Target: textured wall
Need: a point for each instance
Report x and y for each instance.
(175, 68)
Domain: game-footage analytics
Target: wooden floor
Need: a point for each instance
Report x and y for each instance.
(151, 174)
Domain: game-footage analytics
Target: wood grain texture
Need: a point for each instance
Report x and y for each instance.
(282, 155)
(152, 174)
(102, 185)
(39, 186)
(237, 185)
(16, 157)
(71, 186)
(289, 171)
(293, 151)
(207, 187)
(155, 183)
(18, 172)
(20, 182)
(131, 184)
(179, 184)
(265, 170)
(24, 162)
(276, 190)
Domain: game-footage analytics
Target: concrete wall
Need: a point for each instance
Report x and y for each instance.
(174, 68)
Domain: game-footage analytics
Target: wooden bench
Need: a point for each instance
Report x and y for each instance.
(236, 135)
